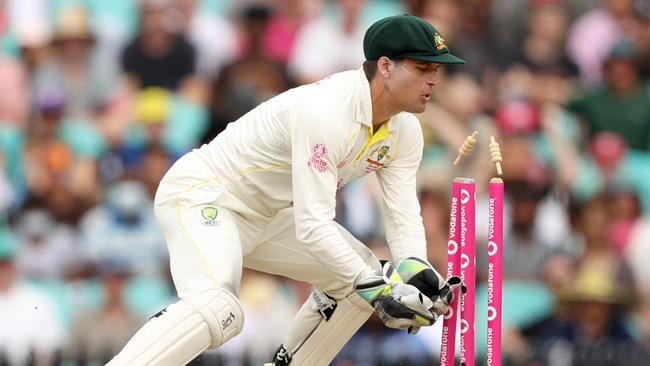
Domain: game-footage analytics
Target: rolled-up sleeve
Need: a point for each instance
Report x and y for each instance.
(404, 228)
(316, 146)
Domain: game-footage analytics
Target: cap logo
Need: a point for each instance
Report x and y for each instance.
(439, 41)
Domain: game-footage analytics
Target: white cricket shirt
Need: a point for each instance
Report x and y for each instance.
(301, 146)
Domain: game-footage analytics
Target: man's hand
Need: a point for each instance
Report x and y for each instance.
(399, 305)
(421, 274)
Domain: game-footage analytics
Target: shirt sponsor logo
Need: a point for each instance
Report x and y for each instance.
(210, 216)
(318, 152)
(373, 165)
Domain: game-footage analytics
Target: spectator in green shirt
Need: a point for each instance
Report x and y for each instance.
(622, 105)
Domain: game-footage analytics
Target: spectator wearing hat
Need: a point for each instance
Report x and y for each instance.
(593, 331)
(168, 120)
(31, 332)
(75, 70)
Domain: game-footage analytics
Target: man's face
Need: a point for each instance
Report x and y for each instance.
(410, 84)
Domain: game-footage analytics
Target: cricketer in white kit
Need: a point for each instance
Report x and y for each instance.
(262, 195)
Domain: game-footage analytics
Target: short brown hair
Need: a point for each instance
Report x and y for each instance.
(370, 68)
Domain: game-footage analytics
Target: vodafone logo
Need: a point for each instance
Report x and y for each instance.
(449, 314)
(464, 261)
(491, 313)
(464, 196)
(464, 326)
(452, 247)
(492, 248)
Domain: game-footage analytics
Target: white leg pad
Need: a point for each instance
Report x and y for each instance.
(185, 329)
(324, 333)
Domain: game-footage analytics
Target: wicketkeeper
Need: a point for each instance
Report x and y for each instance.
(262, 195)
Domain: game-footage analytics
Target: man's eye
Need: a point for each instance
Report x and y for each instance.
(422, 68)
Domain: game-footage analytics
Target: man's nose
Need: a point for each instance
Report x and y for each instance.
(432, 78)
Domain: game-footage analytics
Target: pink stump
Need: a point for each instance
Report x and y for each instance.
(495, 272)
(450, 321)
(467, 271)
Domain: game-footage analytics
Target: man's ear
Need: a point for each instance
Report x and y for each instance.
(384, 66)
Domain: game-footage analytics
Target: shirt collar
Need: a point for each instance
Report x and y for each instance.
(364, 106)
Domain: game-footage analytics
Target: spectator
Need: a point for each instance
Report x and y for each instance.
(85, 80)
(249, 80)
(27, 22)
(608, 163)
(456, 111)
(609, 108)
(158, 56)
(324, 46)
(213, 37)
(47, 248)
(627, 221)
(56, 150)
(14, 105)
(284, 25)
(14, 112)
(164, 119)
(473, 39)
(595, 331)
(593, 34)
(31, 332)
(98, 335)
(155, 163)
(123, 226)
(543, 47)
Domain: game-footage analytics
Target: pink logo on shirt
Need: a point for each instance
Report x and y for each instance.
(318, 152)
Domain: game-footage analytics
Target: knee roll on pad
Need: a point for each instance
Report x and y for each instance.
(178, 334)
(222, 312)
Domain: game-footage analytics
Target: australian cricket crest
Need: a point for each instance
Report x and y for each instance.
(439, 41)
(382, 152)
(379, 154)
(210, 216)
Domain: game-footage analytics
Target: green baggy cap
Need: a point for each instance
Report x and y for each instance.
(407, 36)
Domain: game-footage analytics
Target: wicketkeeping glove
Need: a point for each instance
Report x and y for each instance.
(399, 305)
(421, 274)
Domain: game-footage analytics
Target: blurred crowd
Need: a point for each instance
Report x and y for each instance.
(98, 99)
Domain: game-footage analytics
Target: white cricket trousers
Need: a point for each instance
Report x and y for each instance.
(211, 235)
